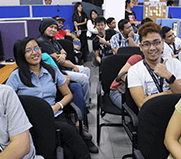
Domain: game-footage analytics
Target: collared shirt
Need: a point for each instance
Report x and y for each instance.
(13, 119)
(45, 87)
(123, 42)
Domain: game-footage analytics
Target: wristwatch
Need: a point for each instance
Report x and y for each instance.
(171, 80)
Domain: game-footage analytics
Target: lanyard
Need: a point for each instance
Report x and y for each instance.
(174, 50)
(158, 84)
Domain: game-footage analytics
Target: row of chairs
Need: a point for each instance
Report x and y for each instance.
(145, 128)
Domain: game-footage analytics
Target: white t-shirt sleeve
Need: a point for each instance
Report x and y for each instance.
(167, 52)
(133, 77)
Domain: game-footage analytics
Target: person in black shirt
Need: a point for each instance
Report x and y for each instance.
(101, 43)
(130, 15)
(79, 18)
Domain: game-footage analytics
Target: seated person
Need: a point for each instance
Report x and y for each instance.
(111, 23)
(153, 76)
(172, 136)
(15, 141)
(125, 37)
(101, 44)
(77, 73)
(37, 78)
(77, 92)
(62, 33)
(172, 44)
(114, 94)
(146, 20)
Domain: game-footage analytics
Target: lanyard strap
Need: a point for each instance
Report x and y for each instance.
(174, 50)
(155, 79)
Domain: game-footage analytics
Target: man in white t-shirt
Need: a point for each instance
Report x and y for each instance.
(172, 44)
(153, 76)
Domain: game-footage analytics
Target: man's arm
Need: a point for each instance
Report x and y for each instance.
(19, 146)
(162, 71)
(72, 36)
(115, 42)
(98, 58)
(138, 95)
(131, 40)
(172, 135)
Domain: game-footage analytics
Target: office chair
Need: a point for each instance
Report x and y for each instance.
(129, 50)
(69, 48)
(153, 120)
(40, 115)
(110, 67)
(130, 109)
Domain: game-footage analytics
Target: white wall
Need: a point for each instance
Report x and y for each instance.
(9, 2)
(114, 8)
(54, 2)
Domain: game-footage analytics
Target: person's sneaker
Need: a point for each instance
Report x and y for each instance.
(85, 134)
(91, 146)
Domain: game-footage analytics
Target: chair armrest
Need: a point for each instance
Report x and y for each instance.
(131, 114)
(138, 154)
(99, 88)
(77, 110)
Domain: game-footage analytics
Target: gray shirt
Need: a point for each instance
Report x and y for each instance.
(13, 120)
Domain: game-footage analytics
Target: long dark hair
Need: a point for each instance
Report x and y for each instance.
(76, 11)
(127, 2)
(90, 15)
(24, 70)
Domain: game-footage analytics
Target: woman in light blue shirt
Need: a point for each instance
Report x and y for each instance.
(34, 77)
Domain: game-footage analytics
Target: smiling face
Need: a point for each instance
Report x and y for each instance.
(153, 52)
(94, 15)
(112, 25)
(48, 2)
(60, 24)
(33, 58)
(170, 37)
(51, 30)
(101, 27)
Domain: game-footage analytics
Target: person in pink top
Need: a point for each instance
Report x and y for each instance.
(114, 94)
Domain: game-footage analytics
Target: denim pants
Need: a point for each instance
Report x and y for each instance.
(78, 97)
(84, 78)
(116, 98)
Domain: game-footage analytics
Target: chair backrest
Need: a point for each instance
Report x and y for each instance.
(129, 50)
(110, 68)
(68, 47)
(153, 120)
(129, 100)
(40, 115)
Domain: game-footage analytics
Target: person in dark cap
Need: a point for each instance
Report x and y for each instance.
(78, 73)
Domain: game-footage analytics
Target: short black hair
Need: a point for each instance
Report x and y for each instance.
(121, 23)
(170, 2)
(109, 20)
(164, 30)
(146, 20)
(100, 20)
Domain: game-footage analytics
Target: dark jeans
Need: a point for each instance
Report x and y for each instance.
(84, 46)
(78, 97)
(72, 142)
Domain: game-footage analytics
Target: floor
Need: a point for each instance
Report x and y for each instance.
(114, 142)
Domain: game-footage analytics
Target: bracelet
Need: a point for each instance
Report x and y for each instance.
(60, 105)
